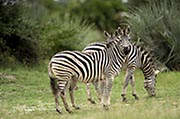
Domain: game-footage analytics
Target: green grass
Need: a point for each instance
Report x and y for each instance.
(26, 94)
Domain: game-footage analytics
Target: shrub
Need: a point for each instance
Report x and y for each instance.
(158, 26)
(102, 13)
(17, 34)
(66, 34)
(32, 30)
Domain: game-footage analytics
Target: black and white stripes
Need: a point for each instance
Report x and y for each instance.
(139, 58)
(100, 62)
(135, 57)
(68, 67)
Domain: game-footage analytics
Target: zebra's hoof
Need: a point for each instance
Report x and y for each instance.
(122, 95)
(76, 107)
(68, 110)
(124, 99)
(91, 101)
(136, 97)
(106, 107)
(59, 111)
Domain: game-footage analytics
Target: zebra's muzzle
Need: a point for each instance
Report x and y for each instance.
(126, 50)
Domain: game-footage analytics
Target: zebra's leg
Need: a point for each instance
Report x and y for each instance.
(98, 89)
(107, 93)
(62, 87)
(56, 93)
(126, 82)
(128, 77)
(71, 92)
(101, 91)
(89, 94)
(57, 104)
(132, 81)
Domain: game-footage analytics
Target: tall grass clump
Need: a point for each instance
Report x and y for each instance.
(157, 24)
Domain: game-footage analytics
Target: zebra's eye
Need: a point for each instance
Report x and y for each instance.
(120, 40)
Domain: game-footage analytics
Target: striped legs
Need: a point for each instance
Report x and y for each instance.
(89, 94)
(126, 82)
(71, 92)
(59, 89)
(132, 82)
(57, 104)
(63, 97)
(61, 92)
(55, 90)
(129, 77)
(107, 92)
(98, 88)
(62, 85)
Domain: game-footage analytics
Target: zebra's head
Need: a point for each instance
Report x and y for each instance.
(150, 71)
(124, 39)
(111, 39)
(150, 83)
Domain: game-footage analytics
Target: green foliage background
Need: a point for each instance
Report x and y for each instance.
(102, 13)
(34, 30)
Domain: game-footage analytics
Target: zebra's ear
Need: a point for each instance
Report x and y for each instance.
(107, 34)
(128, 31)
(156, 72)
(120, 31)
(116, 33)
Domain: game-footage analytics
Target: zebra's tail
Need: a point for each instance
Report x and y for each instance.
(53, 86)
(53, 81)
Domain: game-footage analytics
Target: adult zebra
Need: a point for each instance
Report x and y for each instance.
(67, 67)
(135, 57)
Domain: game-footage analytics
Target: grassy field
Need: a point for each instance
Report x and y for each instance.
(25, 94)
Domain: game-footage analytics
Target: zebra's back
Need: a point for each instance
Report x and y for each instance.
(83, 66)
(94, 47)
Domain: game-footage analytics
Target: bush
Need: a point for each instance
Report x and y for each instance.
(66, 34)
(158, 26)
(18, 39)
(32, 30)
(102, 13)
